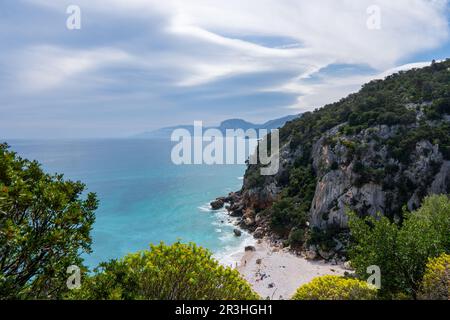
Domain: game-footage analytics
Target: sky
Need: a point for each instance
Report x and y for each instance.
(138, 65)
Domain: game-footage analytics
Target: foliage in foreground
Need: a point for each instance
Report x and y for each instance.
(335, 288)
(436, 281)
(44, 227)
(401, 251)
(176, 272)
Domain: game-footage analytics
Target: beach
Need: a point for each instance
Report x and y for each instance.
(276, 273)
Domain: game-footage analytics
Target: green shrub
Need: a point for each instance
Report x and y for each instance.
(438, 108)
(286, 214)
(324, 238)
(176, 272)
(401, 251)
(44, 228)
(436, 281)
(253, 177)
(335, 288)
(291, 210)
(297, 236)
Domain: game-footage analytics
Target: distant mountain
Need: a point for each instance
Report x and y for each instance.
(227, 124)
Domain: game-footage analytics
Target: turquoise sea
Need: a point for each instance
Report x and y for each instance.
(144, 198)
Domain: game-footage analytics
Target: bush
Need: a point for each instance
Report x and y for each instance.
(291, 210)
(287, 215)
(44, 228)
(401, 252)
(253, 177)
(336, 288)
(436, 281)
(176, 272)
(324, 238)
(297, 236)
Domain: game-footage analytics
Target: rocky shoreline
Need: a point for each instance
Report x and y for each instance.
(353, 172)
(274, 270)
(247, 219)
(255, 224)
(236, 204)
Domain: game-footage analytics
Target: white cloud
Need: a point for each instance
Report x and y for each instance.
(46, 67)
(332, 89)
(216, 41)
(329, 31)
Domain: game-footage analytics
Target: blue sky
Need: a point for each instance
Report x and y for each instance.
(138, 65)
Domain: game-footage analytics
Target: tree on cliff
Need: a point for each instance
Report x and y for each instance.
(44, 227)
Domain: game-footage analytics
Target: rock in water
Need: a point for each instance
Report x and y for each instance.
(250, 248)
(217, 204)
(237, 232)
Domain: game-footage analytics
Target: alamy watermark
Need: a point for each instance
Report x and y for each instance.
(375, 276)
(234, 146)
(73, 22)
(374, 19)
(74, 280)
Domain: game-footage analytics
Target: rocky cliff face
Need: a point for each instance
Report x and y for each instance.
(342, 183)
(373, 152)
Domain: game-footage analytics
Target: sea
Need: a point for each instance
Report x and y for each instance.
(144, 197)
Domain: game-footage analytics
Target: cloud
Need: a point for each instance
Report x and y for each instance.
(46, 67)
(328, 31)
(331, 89)
(204, 57)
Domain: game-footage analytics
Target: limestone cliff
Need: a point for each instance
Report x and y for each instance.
(376, 151)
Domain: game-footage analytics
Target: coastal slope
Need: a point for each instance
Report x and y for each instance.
(375, 151)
